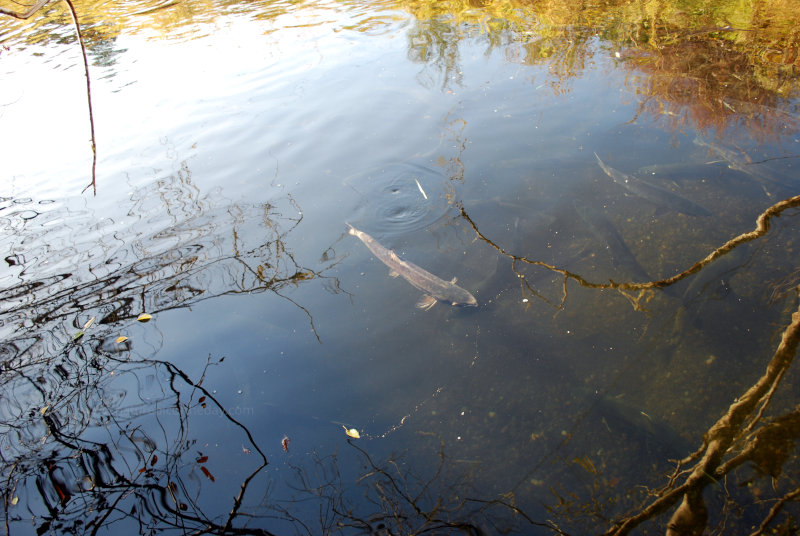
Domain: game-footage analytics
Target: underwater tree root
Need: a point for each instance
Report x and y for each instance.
(716, 457)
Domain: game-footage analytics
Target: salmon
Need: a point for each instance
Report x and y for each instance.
(434, 288)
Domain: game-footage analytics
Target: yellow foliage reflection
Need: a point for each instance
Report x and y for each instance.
(713, 64)
(710, 63)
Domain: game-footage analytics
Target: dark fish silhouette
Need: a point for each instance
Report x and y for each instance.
(606, 233)
(655, 194)
(741, 162)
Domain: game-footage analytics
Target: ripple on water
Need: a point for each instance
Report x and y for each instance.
(401, 197)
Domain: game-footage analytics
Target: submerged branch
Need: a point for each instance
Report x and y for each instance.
(762, 227)
(718, 442)
(777, 507)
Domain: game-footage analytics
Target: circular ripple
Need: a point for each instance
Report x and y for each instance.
(392, 201)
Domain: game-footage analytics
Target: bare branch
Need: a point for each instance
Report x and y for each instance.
(26, 14)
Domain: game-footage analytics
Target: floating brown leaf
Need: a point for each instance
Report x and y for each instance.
(207, 473)
(202, 459)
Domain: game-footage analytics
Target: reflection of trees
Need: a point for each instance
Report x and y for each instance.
(395, 498)
(92, 435)
(708, 84)
(721, 66)
(183, 248)
(134, 475)
(717, 66)
(435, 45)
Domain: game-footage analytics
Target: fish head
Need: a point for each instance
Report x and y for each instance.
(468, 300)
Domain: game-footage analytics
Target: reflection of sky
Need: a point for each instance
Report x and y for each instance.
(158, 92)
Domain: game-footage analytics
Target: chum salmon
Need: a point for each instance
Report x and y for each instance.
(433, 287)
(655, 194)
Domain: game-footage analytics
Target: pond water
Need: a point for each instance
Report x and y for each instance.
(549, 156)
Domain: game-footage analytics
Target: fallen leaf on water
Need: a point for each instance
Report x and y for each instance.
(202, 459)
(44, 410)
(352, 432)
(154, 460)
(207, 473)
(121, 338)
(14, 500)
(144, 317)
(88, 323)
(77, 336)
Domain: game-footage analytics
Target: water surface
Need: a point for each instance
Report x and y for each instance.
(234, 140)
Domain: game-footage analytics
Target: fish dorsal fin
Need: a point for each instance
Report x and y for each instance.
(393, 273)
(426, 302)
(454, 280)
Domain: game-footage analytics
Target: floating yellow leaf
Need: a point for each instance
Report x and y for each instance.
(14, 500)
(144, 317)
(121, 338)
(88, 323)
(44, 410)
(77, 336)
(352, 432)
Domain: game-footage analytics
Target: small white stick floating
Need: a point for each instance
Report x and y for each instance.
(420, 189)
